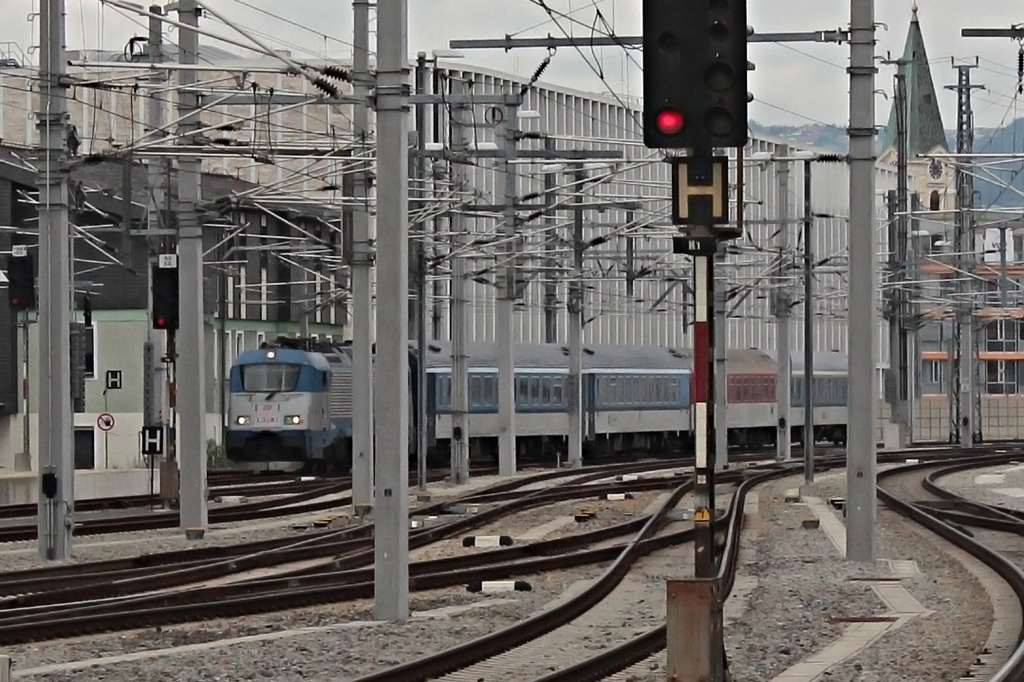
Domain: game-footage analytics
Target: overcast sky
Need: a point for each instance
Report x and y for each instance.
(793, 83)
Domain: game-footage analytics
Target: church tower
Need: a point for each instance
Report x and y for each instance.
(932, 180)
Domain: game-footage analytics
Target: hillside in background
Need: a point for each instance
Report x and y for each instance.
(1005, 140)
(832, 138)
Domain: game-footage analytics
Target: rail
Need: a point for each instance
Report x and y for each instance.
(1013, 669)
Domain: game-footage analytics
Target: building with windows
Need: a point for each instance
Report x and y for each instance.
(992, 269)
(242, 308)
(276, 232)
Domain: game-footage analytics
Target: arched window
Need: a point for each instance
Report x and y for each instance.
(934, 200)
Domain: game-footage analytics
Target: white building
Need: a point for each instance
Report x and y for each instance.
(636, 290)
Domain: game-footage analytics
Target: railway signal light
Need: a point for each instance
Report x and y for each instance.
(695, 73)
(21, 283)
(670, 121)
(165, 298)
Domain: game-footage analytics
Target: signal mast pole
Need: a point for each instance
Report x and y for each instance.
(698, 104)
(56, 446)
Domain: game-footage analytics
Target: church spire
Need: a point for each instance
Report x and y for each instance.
(924, 121)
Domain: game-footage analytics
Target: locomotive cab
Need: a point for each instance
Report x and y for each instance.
(278, 411)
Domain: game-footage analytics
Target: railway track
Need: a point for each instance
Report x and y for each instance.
(499, 653)
(249, 489)
(343, 549)
(948, 516)
(81, 599)
(302, 498)
(306, 498)
(617, 659)
(113, 604)
(298, 503)
(226, 482)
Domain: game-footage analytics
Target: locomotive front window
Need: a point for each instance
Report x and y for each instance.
(270, 377)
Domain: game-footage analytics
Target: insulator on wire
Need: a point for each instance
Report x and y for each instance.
(540, 69)
(326, 86)
(536, 75)
(336, 72)
(1020, 70)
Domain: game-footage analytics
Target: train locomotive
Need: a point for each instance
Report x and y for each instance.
(290, 406)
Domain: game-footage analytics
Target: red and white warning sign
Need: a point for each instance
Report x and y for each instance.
(105, 421)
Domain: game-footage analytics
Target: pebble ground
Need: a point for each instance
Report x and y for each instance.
(327, 654)
(1001, 485)
(930, 648)
(804, 587)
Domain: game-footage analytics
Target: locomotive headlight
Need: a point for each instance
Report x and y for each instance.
(242, 421)
(293, 419)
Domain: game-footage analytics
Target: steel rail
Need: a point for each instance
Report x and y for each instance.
(354, 552)
(637, 649)
(496, 643)
(1013, 669)
(649, 643)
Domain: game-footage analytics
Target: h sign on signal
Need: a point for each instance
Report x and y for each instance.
(152, 440)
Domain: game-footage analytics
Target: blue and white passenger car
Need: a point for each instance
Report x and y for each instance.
(632, 397)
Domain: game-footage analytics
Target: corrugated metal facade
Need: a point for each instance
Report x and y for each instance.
(651, 310)
(655, 312)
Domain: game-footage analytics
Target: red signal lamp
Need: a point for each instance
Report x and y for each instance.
(161, 323)
(15, 301)
(670, 121)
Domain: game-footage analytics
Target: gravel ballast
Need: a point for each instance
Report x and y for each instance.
(804, 585)
(319, 655)
(23, 556)
(805, 591)
(17, 556)
(330, 653)
(999, 485)
(940, 645)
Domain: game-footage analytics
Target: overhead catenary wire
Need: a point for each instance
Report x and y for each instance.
(291, 186)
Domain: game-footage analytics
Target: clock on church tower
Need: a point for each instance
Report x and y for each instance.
(935, 169)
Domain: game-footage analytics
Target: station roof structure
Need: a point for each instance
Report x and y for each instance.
(99, 181)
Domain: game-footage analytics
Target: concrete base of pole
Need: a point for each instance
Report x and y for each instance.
(694, 638)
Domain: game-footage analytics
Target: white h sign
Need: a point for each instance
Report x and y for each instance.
(152, 440)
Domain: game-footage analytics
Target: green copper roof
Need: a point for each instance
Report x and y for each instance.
(924, 122)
